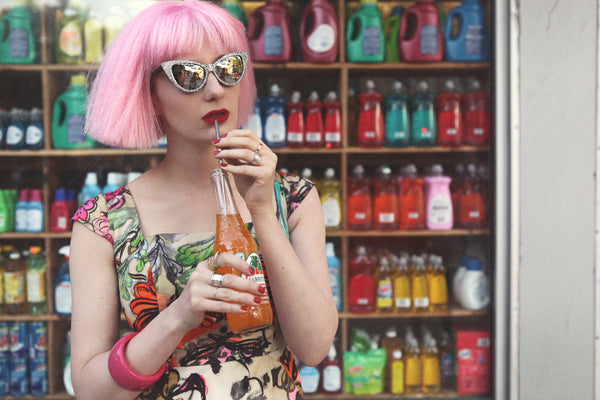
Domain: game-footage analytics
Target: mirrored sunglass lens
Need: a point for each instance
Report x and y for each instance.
(189, 77)
(230, 69)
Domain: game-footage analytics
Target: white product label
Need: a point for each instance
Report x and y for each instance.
(313, 136)
(474, 40)
(321, 39)
(35, 221)
(440, 209)
(402, 302)
(295, 137)
(21, 220)
(386, 218)
(331, 212)
(255, 124)
(275, 128)
(273, 40)
(429, 39)
(33, 135)
(63, 298)
(35, 287)
(310, 379)
(333, 137)
(14, 135)
(332, 378)
(421, 302)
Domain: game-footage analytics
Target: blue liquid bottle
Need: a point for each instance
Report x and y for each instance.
(15, 133)
(397, 120)
(34, 134)
(423, 129)
(470, 41)
(274, 112)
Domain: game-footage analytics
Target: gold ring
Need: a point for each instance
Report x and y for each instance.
(258, 148)
(212, 262)
(256, 159)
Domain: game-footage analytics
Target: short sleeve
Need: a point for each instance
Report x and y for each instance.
(93, 214)
(294, 188)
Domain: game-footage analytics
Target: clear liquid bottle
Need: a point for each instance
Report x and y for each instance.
(36, 281)
(331, 202)
(15, 284)
(232, 236)
(438, 286)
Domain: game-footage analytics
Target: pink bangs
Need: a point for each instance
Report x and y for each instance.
(120, 111)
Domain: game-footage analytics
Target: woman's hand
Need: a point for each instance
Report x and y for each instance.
(224, 293)
(252, 164)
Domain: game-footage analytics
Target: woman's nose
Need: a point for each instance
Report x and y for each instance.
(213, 88)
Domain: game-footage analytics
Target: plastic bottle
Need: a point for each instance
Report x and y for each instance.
(414, 370)
(364, 34)
(68, 117)
(359, 203)
(397, 119)
(72, 201)
(92, 34)
(269, 33)
(15, 284)
(331, 202)
(62, 285)
(371, 127)
(274, 112)
(361, 296)
(449, 115)
(394, 365)
(314, 121)
(113, 182)
(295, 122)
(333, 122)
(384, 285)
(470, 41)
(419, 286)
(438, 286)
(438, 200)
(447, 360)
(474, 286)
(59, 212)
(6, 212)
(331, 367)
(236, 9)
(457, 277)
(334, 266)
(385, 200)
(420, 33)
(401, 285)
(255, 120)
(3, 259)
(477, 117)
(471, 204)
(319, 39)
(391, 32)
(35, 211)
(15, 133)
(17, 37)
(456, 187)
(431, 365)
(34, 134)
(90, 188)
(423, 129)
(232, 236)
(36, 281)
(310, 377)
(411, 200)
(21, 211)
(69, 41)
(3, 126)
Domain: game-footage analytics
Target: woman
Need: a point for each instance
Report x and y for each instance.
(146, 249)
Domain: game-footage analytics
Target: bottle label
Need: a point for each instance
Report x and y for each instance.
(19, 43)
(21, 219)
(14, 135)
(397, 377)
(332, 378)
(295, 137)
(14, 287)
(429, 40)
(474, 40)
(333, 137)
(69, 40)
(314, 137)
(273, 40)
(36, 287)
(75, 128)
(372, 41)
(33, 135)
(331, 212)
(35, 220)
(275, 128)
(440, 209)
(386, 218)
(384, 294)
(321, 39)
(310, 379)
(402, 292)
(63, 298)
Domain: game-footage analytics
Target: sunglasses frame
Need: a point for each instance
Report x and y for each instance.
(208, 68)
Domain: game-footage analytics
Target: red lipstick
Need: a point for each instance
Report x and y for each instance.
(216, 115)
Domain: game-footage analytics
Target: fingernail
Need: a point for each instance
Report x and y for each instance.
(262, 290)
(216, 153)
(257, 300)
(252, 270)
(245, 307)
(215, 141)
(223, 164)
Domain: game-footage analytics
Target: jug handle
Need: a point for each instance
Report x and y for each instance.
(351, 35)
(449, 22)
(61, 108)
(404, 25)
(305, 17)
(4, 30)
(252, 24)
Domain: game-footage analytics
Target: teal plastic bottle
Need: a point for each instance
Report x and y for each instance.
(68, 118)
(423, 124)
(397, 119)
(470, 42)
(391, 29)
(17, 38)
(236, 9)
(364, 34)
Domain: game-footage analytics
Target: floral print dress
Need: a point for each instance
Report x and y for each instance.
(211, 362)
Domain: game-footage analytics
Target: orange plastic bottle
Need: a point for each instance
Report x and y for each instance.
(385, 200)
(232, 236)
(412, 200)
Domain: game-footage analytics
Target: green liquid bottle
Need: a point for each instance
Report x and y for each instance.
(36, 282)
(364, 35)
(69, 41)
(17, 38)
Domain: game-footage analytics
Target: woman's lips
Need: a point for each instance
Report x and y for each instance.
(217, 115)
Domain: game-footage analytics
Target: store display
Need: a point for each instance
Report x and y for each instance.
(421, 34)
(269, 33)
(391, 33)
(470, 41)
(319, 40)
(364, 35)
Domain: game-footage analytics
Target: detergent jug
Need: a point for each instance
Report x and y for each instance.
(469, 42)
(17, 43)
(269, 33)
(364, 34)
(319, 32)
(420, 33)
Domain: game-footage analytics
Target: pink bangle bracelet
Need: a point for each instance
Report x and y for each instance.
(122, 374)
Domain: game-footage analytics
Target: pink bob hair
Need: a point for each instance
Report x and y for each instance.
(120, 112)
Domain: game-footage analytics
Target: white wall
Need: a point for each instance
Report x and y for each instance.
(558, 62)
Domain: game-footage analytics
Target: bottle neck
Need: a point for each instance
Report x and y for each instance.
(223, 193)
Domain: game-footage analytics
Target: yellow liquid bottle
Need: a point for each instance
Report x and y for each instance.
(414, 370)
(401, 286)
(92, 34)
(438, 287)
(331, 202)
(431, 366)
(394, 369)
(420, 290)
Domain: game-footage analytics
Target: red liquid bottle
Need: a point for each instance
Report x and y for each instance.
(371, 127)
(412, 200)
(449, 117)
(314, 122)
(59, 212)
(385, 200)
(477, 118)
(472, 204)
(359, 204)
(295, 122)
(331, 372)
(361, 291)
(333, 122)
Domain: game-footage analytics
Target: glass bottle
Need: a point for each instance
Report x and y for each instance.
(232, 236)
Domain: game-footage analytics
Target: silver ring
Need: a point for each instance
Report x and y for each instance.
(256, 159)
(217, 280)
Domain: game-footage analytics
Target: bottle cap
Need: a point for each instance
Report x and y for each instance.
(61, 194)
(314, 96)
(275, 90)
(391, 332)
(64, 251)
(332, 352)
(329, 249)
(398, 10)
(24, 195)
(329, 173)
(306, 173)
(331, 96)
(474, 264)
(410, 171)
(71, 195)
(358, 170)
(78, 79)
(91, 178)
(295, 97)
(370, 85)
(437, 170)
(397, 87)
(35, 195)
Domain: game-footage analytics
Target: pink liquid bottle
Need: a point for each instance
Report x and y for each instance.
(420, 33)
(361, 291)
(449, 115)
(438, 200)
(477, 118)
(295, 122)
(314, 121)
(333, 122)
(319, 39)
(269, 33)
(371, 127)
